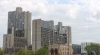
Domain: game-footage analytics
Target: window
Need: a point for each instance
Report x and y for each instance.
(6, 39)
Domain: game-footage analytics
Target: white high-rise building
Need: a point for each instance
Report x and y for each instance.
(83, 45)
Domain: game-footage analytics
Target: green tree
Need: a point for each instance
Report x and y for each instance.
(20, 52)
(29, 52)
(93, 48)
(24, 52)
(42, 51)
(45, 46)
(1, 52)
(16, 53)
(30, 47)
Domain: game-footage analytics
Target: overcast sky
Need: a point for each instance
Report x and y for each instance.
(82, 15)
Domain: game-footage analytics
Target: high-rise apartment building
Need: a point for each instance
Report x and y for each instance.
(18, 32)
(12, 44)
(83, 45)
(19, 24)
(76, 49)
(62, 34)
(42, 33)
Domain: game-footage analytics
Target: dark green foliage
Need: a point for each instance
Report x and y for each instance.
(42, 51)
(24, 52)
(29, 52)
(21, 52)
(93, 47)
(30, 47)
(45, 46)
(1, 52)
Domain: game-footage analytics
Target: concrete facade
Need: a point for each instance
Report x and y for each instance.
(62, 34)
(13, 44)
(42, 33)
(76, 49)
(59, 49)
(18, 32)
(45, 33)
(20, 21)
(8, 41)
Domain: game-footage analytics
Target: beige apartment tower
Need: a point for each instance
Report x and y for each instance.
(42, 33)
(20, 21)
(62, 34)
(18, 32)
(12, 44)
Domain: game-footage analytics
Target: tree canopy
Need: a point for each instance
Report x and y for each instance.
(29, 52)
(42, 51)
(1, 52)
(30, 47)
(92, 49)
(20, 52)
(24, 52)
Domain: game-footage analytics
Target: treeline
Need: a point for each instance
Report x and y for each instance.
(93, 49)
(42, 51)
(1, 52)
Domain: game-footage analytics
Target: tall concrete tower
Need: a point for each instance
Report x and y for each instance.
(42, 33)
(62, 34)
(19, 24)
